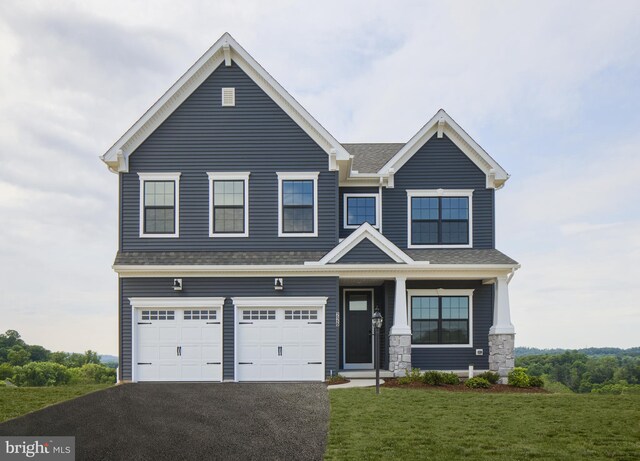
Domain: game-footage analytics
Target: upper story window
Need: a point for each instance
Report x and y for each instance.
(440, 218)
(297, 204)
(441, 318)
(229, 204)
(159, 204)
(360, 208)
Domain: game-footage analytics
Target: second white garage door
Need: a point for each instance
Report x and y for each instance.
(280, 344)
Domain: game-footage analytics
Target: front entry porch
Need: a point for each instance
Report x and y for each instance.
(429, 324)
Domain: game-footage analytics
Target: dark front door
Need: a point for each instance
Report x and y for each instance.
(358, 311)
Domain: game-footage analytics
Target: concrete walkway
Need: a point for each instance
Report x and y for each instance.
(356, 383)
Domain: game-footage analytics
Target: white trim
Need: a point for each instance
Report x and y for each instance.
(175, 177)
(367, 231)
(443, 292)
(226, 49)
(298, 176)
(279, 301)
(440, 193)
(168, 303)
(318, 302)
(345, 200)
(354, 366)
(442, 123)
(229, 176)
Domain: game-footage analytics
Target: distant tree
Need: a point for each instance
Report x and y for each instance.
(18, 355)
(59, 357)
(91, 357)
(38, 353)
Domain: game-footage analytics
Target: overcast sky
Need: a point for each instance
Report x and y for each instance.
(550, 89)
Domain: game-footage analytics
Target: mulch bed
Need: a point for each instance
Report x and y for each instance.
(494, 389)
(339, 380)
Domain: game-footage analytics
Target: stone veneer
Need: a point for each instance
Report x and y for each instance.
(399, 354)
(501, 354)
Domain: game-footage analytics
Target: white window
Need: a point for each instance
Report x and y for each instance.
(440, 218)
(298, 204)
(361, 208)
(259, 315)
(200, 315)
(159, 205)
(302, 314)
(228, 204)
(158, 315)
(441, 318)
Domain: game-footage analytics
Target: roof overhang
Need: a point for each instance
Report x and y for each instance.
(440, 124)
(226, 50)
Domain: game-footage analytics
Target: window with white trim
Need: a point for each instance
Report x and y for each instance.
(261, 314)
(159, 204)
(441, 318)
(200, 315)
(303, 314)
(360, 208)
(439, 218)
(158, 315)
(229, 204)
(297, 204)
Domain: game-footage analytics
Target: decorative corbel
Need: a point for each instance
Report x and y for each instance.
(390, 180)
(333, 160)
(226, 48)
(123, 163)
(491, 179)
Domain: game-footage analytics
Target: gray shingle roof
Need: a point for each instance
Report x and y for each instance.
(198, 258)
(369, 158)
(461, 256)
(186, 258)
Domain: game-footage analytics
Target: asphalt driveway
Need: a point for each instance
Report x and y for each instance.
(176, 421)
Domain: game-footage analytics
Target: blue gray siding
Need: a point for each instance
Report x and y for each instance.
(257, 136)
(366, 252)
(228, 288)
(459, 358)
(439, 163)
(350, 190)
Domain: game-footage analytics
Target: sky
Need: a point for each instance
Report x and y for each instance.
(550, 89)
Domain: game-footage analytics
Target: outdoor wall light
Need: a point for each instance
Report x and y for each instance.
(278, 284)
(177, 284)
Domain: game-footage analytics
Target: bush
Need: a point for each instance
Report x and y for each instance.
(477, 383)
(536, 381)
(6, 371)
(91, 373)
(412, 376)
(41, 374)
(490, 376)
(518, 377)
(616, 389)
(438, 378)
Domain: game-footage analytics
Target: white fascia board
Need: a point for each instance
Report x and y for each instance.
(365, 230)
(220, 52)
(280, 301)
(441, 123)
(139, 303)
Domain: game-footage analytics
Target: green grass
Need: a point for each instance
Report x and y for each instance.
(439, 425)
(18, 401)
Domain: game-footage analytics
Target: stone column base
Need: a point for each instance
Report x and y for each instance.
(501, 354)
(399, 354)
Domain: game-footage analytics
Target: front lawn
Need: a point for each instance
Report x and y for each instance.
(17, 401)
(439, 425)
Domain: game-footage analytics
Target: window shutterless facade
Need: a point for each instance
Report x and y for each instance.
(298, 204)
(441, 318)
(159, 204)
(228, 204)
(360, 208)
(439, 218)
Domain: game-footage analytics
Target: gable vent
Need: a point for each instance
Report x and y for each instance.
(228, 97)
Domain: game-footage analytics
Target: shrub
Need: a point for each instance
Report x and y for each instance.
(518, 377)
(333, 379)
(438, 378)
(536, 381)
(41, 374)
(490, 376)
(92, 373)
(6, 371)
(477, 383)
(412, 376)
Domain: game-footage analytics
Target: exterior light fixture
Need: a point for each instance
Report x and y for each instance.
(177, 284)
(278, 284)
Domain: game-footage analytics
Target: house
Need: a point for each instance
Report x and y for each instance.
(253, 246)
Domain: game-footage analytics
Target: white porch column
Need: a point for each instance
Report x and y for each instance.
(400, 320)
(501, 309)
(502, 332)
(400, 333)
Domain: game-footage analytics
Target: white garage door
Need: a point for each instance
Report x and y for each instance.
(178, 344)
(280, 344)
